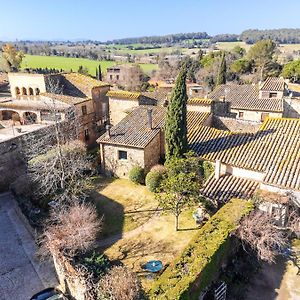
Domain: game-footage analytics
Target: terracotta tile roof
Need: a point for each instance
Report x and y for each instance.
(65, 98)
(273, 84)
(227, 187)
(159, 95)
(202, 101)
(83, 83)
(124, 95)
(134, 131)
(246, 97)
(273, 150)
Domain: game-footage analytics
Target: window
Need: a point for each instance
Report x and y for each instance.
(241, 115)
(122, 154)
(84, 110)
(86, 134)
(37, 91)
(17, 91)
(273, 95)
(118, 77)
(111, 77)
(30, 91)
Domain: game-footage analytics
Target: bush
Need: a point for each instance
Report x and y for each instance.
(137, 175)
(159, 169)
(197, 265)
(153, 180)
(208, 169)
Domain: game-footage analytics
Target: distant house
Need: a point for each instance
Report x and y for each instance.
(128, 76)
(253, 102)
(38, 98)
(138, 139)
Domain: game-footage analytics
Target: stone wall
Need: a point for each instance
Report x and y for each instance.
(112, 165)
(152, 153)
(255, 116)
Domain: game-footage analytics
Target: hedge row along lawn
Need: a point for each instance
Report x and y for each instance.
(195, 268)
(68, 63)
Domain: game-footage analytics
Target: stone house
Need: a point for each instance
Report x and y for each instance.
(38, 98)
(128, 76)
(138, 139)
(252, 102)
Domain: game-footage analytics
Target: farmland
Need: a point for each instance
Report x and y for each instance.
(68, 64)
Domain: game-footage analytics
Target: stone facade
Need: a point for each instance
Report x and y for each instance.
(255, 116)
(113, 165)
(118, 109)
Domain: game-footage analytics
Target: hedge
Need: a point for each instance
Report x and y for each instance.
(137, 175)
(195, 268)
(153, 180)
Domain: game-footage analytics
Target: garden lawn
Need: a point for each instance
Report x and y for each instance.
(123, 205)
(68, 63)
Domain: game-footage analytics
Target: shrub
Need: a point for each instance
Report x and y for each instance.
(153, 180)
(197, 265)
(137, 175)
(159, 169)
(208, 169)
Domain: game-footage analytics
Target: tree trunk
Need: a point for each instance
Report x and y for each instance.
(176, 222)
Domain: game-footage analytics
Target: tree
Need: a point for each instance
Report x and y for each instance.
(292, 70)
(241, 66)
(262, 54)
(176, 123)
(221, 77)
(11, 57)
(180, 186)
(70, 230)
(119, 284)
(97, 76)
(99, 73)
(61, 172)
(258, 231)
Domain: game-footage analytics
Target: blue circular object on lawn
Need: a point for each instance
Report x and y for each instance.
(154, 266)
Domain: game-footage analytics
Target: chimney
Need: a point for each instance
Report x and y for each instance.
(217, 169)
(149, 112)
(107, 127)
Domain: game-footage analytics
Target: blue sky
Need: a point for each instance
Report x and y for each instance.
(103, 20)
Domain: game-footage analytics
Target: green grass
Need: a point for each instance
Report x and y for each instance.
(66, 63)
(228, 46)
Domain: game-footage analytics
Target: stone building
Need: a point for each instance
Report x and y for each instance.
(128, 76)
(138, 139)
(38, 98)
(252, 102)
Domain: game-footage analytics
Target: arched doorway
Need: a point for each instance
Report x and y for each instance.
(24, 91)
(17, 91)
(10, 115)
(30, 91)
(37, 91)
(29, 117)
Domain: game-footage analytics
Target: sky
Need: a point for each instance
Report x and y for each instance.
(111, 19)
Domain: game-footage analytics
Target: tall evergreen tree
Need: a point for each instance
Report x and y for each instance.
(176, 124)
(99, 73)
(221, 78)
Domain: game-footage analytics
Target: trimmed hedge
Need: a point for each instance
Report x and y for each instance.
(153, 180)
(195, 268)
(137, 175)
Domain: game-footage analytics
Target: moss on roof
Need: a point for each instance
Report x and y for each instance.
(124, 95)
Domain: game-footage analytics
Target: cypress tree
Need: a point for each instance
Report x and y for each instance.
(99, 73)
(176, 124)
(221, 78)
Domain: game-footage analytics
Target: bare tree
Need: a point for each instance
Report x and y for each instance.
(119, 284)
(258, 231)
(71, 230)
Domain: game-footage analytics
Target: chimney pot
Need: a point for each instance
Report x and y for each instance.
(107, 127)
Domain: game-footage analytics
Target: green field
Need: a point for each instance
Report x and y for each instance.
(228, 46)
(65, 63)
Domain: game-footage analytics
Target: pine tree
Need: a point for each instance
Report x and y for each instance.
(176, 124)
(99, 73)
(221, 78)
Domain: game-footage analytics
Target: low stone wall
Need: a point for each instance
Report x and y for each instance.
(69, 280)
